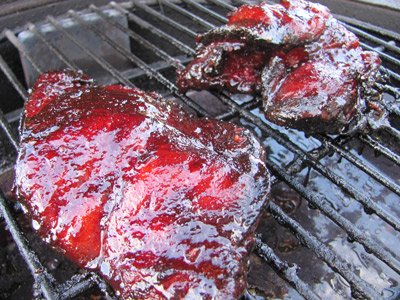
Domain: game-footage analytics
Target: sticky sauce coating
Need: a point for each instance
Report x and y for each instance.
(162, 204)
(309, 70)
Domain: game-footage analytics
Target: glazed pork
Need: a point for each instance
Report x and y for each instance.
(162, 204)
(308, 69)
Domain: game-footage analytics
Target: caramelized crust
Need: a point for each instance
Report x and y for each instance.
(308, 69)
(162, 204)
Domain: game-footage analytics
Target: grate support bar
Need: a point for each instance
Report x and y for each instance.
(17, 44)
(53, 48)
(146, 25)
(80, 283)
(161, 53)
(104, 64)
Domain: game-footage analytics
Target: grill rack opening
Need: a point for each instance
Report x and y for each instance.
(317, 171)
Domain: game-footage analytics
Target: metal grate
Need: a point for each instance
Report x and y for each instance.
(293, 158)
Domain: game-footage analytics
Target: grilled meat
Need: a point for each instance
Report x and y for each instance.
(308, 69)
(162, 204)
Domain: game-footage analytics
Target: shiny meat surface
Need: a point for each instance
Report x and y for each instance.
(162, 204)
(308, 69)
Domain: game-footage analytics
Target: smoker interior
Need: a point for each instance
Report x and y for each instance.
(331, 230)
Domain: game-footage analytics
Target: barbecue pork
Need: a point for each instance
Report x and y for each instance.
(162, 204)
(308, 68)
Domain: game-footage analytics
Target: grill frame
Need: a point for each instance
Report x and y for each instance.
(302, 159)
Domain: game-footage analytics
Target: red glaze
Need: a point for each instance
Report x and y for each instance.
(249, 16)
(326, 90)
(224, 64)
(162, 204)
(292, 22)
(309, 69)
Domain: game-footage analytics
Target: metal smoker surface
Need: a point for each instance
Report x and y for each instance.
(323, 185)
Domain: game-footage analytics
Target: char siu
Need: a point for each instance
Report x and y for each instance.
(308, 69)
(164, 205)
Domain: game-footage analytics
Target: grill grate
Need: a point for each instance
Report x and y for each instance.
(297, 160)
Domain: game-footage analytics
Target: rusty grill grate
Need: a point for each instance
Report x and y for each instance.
(293, 158)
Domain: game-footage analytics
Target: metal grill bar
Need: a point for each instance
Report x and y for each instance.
(80, 283)
(206, 10)
(374, 144)
(322, 203)
(103, 63)
(146, 25)
(163, 18)
(42, 278)
(3, 122)
(372, 38)
(7, 129)
(230, 114)
(395, 92)
(390, 106)
(13, 39)
(141, 64)
(13, 79)
(161, 53)
(362, 166)
(369, 27)
(358, 285)
(187, 13)
(369, 205)
(381, 54)
(283, 269)
(390, 73)
(222, 4)
(75, 286)
(53, 48)
(353, 232)
(40, 274)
